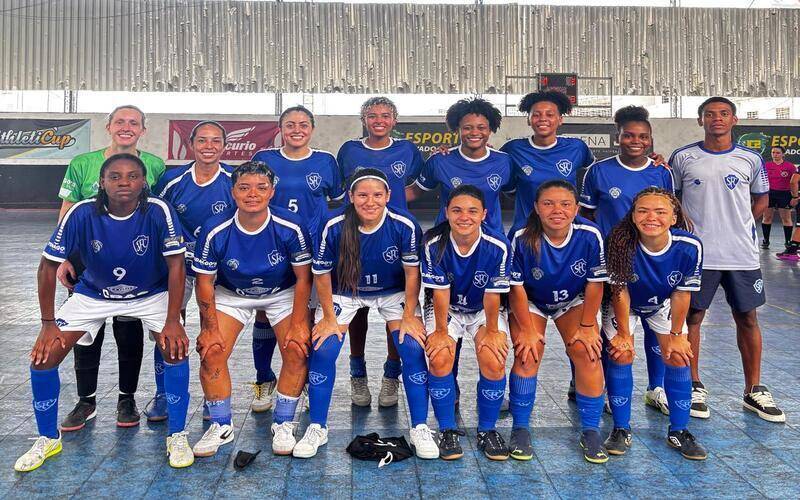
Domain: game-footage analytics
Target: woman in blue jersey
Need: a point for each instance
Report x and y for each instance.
(400, 161)
(258, 258)
(132, 248)
(608, 191)
(465, 265)
(558, 272)
(654, 263)
(368, 257)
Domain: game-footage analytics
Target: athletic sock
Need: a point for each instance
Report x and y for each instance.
(220, 411)
(415, 377)
(678, 386)
(590, 409)
(264, 342)
(522, 395)
(321, 376)
(443, 400)
(358, 366)
(392, 368)
(46, 386)
(766, 229)
(619, 384)
(490, 399)
(787, 233)
(176, 386)
(655, 364)
(285, 407)
(158, 369)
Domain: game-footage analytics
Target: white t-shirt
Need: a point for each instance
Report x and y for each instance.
(716, 188)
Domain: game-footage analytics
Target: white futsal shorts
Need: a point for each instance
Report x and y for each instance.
(277, 306)
(390, 307)
(463, 324)
(660, 321)
(555, 313)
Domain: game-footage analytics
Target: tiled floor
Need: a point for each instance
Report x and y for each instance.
(748, 457)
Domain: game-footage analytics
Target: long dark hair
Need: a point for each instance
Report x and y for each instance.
(621, 244)
(443, 229)
(101, 202)
(348, 269)
(533, 226)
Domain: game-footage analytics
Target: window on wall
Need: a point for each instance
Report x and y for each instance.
(752, 115)
(782, 113)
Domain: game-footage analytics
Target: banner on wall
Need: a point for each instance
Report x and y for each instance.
(600, 137)
(51, 139)
(245, 138)
(762, 138)
(427, 136)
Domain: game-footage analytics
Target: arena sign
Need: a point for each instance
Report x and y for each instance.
(245, 138)
(762, 138)
(51, 139)
(600, 137)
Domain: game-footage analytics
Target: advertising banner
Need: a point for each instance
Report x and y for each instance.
(245, 138)
(763, 137)
(51, 139)
(600, 137)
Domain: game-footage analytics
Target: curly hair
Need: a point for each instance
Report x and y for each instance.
(560, 99)
(378, 101)
(474, 106)
(533, 226)
(443, 228)
(101, 202)
(621, 244)
(629, 114)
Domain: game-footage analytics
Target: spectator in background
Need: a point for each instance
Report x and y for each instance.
(780, 173)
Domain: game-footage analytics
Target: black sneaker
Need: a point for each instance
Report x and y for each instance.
(618, 441)
(520, 444)
(492, 445)
(759, 400)
(77, 418)
(699, 408)
(764, 244)
(449, 447)
(685, 442)
(592, 445)
(127, 413)
(571, 391)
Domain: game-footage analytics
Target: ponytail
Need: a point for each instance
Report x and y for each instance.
(348, 269)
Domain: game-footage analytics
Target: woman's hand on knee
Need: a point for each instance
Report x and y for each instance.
(412, 326)
(494, 342)
(677, 350)
(324, 329)
(528, 346)
(621, 348)
(298, 337)
(439, 345)
(590, 338)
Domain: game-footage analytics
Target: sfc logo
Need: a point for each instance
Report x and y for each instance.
(314, 180)
(674, 278)
(537, 273)
(180, 208)
(399, 169)
(527, 170)
(564, 167)
(494, 181)
(419, 378)
(731, 181)
(455, 181)
(173, 399)
(218, 207)
(97, 245)
(758, 286)
(684, 404)
(492, 394)
(140, 244)
(618, 400)
(579, 268)
(61, 323)
(316, 378)
(615, 192)
(481, 279)
(391, 254)
(275, 258)
(233, 264)
(439, 393)
(44, 405)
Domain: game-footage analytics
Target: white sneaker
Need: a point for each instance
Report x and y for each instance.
(178, 449)
(215, 436)
(315, 436)
(699, 407)
(263, 396)
(423, 442)
(359, 391)
(42, 449)
(657, 398)
(388, 395)
(283, 441)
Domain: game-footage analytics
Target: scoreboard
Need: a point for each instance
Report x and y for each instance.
(562, 82)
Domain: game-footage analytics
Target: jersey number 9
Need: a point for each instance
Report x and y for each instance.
(119, 272)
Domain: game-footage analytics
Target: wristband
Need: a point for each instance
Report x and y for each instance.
(47, 320)
(677, 334)
(587, 326)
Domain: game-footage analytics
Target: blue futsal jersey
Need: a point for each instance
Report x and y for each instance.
(535, 165)
(678, 266)
(610, 186)
(124, 257)
(560, 272)
(484, 268)
(384, 251)
(253, 264)
(304, 186)
(489, 174)
(400, 161)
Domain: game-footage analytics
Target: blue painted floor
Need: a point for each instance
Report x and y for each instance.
(748, 457)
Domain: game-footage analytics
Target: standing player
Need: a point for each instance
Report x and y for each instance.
(401, 162)
(608, 191)
(779, 173)
(126, 125)
(791, 252)
(466, 266)
(654, 264)
(717, 179)
(368, 257)
(133, 252)
(260, 259)
(305, 179)
(558, 272)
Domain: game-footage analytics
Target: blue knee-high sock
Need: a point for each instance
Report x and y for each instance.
(358, 366)
(619, 384)
(490, 398)
(678, 386)
(46, 386)
(321, 376)
(220, 411)
(158, 369)
(285, 407)
(264, 342)
(176, 387)
(590, 410)
(415, 377)
(655, 365)
(443, 400)
(522, 395)
(392, 368)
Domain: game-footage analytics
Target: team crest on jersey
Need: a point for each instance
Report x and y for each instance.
(527, 169)
(180, 208)
(233, 264)
(455, 181)
(173, 399)
(218, 207)
(481, 279)
(758, 286)
(731, 181)
(275, 258)
(579, 268)
(399, 169)
(439, 393)
(391, 254)
(314, 180)
(419, 378)
(684, 404)
(121, 289)
(316, 378)
(615, 192)
(784, 173)
(564, 167)
(97, 245)
(618, 400)
(494, 181)
(140, 244)
(537, 273)
(44, 405)
(674, 278)
(493, 394)
(61, 323)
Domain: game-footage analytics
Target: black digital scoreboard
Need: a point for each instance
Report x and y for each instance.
(562, 82)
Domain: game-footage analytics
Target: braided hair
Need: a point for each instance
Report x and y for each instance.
(101, 202)
(621, 244)
(443, 229)
(532, 236)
